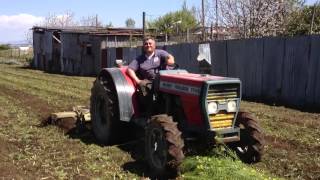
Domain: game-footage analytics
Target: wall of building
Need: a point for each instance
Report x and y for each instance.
(36, 49)
(80, 53)
(70, 53)
(77, 53)
(42, 43)
(274, 69)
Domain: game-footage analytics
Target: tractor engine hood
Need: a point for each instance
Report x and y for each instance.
(198, 91)
(183, 82)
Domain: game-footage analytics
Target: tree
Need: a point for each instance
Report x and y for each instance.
(130, 23)
(60, 21)
(4, 46)
(304, 21)
(110, 25)
(91, 21)
(29, 36)
(175, 22)
(253, 18)
(208, 12)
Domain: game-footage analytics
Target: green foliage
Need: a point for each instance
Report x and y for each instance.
(110, 25)
(175, 21)
(130, 23)
(300, 21)
(16, 54)
(4, 46)
(219, 164)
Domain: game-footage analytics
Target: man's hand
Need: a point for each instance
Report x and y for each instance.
(170, 60)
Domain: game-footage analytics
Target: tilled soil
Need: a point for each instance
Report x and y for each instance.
(8, 169)
(292, 141)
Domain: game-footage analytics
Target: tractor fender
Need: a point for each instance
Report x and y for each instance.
(125, 90)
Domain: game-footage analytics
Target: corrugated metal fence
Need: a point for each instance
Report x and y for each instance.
(272, 69)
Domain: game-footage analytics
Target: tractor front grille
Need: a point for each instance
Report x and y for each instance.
(221, 120)
(221, 94)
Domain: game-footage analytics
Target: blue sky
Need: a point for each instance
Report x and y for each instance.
(17, 16)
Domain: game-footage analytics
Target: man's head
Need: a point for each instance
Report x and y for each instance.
(149, 45)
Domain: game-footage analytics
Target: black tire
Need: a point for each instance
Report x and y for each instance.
(163, 144)
(104, 110)
(251, 145)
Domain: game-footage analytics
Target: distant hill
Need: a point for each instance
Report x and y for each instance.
(17, 43)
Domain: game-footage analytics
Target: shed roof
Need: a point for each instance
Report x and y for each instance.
(92, 30)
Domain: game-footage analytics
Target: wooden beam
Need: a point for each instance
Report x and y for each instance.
(54, 37)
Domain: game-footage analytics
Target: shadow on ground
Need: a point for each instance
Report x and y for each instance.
(139, 165)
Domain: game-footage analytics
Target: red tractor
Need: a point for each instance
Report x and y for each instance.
(184, 106)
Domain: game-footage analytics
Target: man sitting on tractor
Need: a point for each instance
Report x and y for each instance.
(143, 69)
(146, 65)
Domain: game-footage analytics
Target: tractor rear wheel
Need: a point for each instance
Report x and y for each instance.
(251, 145)
(163, 143)
(104, 110)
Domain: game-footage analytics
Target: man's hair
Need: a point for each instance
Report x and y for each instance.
(147, 38)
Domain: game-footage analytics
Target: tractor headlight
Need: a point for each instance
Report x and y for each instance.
(232, 106)
(212, 107)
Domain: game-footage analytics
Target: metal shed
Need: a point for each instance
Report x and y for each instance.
(80, 50)
(46, 47)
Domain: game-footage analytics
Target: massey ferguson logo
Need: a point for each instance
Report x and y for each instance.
(180, 88)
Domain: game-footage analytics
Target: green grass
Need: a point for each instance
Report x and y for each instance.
(15, 53)
(218, 168)
(220, 163)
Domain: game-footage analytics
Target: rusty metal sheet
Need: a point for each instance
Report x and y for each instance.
(130, 54)
(272, 68)
(178, 57)
(313, 86)
(193, 51)
(244, 60)
(111, 57)
(185, 56)
(219, 58)
(295, 70)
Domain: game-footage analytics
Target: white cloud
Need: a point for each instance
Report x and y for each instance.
(15, 27)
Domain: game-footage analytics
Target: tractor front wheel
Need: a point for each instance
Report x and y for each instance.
(163, 143)
(251, 145)
(104, 110)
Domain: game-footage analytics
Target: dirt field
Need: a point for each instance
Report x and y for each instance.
(30, 150)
